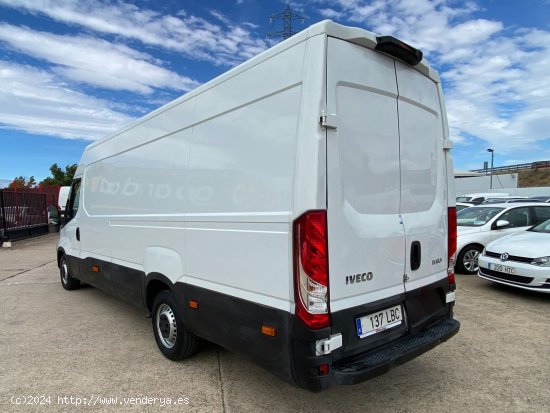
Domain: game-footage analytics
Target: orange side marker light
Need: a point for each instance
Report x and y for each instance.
(269, 331)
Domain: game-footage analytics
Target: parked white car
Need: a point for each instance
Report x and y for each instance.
(481, 224)
(462, 205)
(480, 197)
(520, 260)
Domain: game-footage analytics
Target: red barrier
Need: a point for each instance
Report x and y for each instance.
(21, 210)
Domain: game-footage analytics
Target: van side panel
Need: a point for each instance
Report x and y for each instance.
(241, 169)
(134, 199)
(211, 181)
(236, 324)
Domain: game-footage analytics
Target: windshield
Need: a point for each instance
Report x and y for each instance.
(476, 216)
(544, 226)
(463, 198)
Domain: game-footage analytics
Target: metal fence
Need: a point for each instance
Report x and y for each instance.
(23, 214)
(51, 192)
(514, 168)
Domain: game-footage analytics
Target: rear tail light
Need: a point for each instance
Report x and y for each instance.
(311, 269)
(451, 244)
(324, 369)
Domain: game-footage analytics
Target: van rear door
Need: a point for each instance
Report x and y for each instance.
(366, 237)
(386, 194)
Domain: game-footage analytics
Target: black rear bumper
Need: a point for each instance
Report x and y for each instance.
(236, 324)
(379, 361)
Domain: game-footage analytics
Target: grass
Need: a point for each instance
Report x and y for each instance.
(534, 177)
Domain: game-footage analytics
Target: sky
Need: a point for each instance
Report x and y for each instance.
(72, 72)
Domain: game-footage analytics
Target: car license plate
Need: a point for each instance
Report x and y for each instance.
(502, 268)
(377, 322)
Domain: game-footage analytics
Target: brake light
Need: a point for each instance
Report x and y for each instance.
(451, 244)
(396, 48)
(311, 269)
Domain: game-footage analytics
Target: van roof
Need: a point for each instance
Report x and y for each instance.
(355, 35)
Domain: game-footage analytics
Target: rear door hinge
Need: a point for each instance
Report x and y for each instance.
(405, 278)
(328, 120)
(328, 345)
(447, 144)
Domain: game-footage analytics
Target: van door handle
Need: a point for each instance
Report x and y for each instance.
(78, 234)
(416, 255)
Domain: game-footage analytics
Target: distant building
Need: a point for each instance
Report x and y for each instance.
(466, 174)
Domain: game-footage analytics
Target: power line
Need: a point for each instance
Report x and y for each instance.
(287, 16)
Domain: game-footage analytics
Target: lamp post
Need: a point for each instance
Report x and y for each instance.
(492, 158)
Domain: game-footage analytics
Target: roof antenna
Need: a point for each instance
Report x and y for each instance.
(287, 16)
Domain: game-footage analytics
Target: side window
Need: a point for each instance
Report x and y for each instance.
(74, 199)
(542, 214)
(518, 217)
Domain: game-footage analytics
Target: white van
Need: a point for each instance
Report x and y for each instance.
(62, 198)
(298, 209)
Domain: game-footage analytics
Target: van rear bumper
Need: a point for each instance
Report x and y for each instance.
(384, 358)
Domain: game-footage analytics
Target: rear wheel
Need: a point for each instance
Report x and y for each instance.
(467, 259)
(67, 281)
(173, 339)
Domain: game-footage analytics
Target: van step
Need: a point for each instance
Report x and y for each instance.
(379, 361)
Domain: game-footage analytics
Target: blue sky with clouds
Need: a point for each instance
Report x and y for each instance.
(74, 71)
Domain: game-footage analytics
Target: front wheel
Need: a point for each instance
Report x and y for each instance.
(173, 339)
(467, 259)
(67, 281)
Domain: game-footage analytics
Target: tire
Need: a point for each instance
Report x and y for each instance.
(173, 339)
(67, 281)
(467, 259)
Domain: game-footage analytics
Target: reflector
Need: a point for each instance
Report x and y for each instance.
(269, 331)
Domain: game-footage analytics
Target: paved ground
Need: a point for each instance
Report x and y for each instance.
(86, 344)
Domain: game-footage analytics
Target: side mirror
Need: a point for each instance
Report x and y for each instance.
(64, 218)
(502, 223)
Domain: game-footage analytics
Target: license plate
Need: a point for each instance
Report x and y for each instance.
(502, 268)
(377, 322)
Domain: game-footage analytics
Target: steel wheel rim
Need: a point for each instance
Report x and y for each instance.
(64, 272)
(470, 260)
(166, 325)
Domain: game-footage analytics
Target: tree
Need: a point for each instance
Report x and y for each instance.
(21, 182)
(59, 176)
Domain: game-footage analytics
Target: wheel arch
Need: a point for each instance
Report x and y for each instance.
(461, 266)
(60, 253)
(155, 283)
(471, 244)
